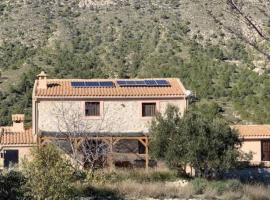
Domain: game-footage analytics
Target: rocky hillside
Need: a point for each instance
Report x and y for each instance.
(191, 39)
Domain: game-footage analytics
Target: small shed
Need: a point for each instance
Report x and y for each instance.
(15, 142)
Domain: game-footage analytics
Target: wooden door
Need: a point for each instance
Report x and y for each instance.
(265, 150)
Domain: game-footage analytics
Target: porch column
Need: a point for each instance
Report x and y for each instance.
(146, 154)
(110, 159)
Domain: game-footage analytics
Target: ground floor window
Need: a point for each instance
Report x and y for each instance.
(265, 150)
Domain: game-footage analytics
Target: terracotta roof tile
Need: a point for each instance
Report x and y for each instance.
(63, 88)
(253, 130)
(8, 137)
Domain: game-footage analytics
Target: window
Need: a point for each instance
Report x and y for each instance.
(92, 108)
(148, 109)
(265, 150)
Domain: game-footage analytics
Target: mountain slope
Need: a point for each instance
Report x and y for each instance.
(128, 39)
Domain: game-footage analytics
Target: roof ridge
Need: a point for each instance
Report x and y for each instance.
(111, 79)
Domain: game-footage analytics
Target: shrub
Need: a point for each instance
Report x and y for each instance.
(49, 175)
(234, 185)
(199, 185)
(12, 185)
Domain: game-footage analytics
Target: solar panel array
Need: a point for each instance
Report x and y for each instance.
(92, 84)
(129, 83)
(121, 83)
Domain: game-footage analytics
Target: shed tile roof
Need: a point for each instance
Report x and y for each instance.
(253, 130)
(63, 88)
(8, 137)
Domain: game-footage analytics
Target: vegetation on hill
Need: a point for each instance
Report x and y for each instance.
(127, 39)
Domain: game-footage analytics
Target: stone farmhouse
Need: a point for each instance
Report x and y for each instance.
(117, 112)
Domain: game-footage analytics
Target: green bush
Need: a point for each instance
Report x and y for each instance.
(49, 175)
(201, 138)
(199, 185)
(234, 185)
(225, 185)
(12, 185)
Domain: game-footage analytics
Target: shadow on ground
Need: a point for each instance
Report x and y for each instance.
(251, 175)
(93, 193)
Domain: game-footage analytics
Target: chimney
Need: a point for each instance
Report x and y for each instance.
(42, 80)
(18, 122)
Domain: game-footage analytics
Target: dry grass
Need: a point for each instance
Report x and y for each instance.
(230, 195)
(257, 192)
(154, 189)
(210, 193)
(138, 184)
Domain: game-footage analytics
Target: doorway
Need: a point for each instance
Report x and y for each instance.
(11, 157)
(265, 150)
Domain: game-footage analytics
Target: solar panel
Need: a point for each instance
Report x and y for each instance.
(162, 82)
(106, 84)
(92, 84)
(78, 84)
(131, 83)
(121, 83)
(142, 83)
(150, 82)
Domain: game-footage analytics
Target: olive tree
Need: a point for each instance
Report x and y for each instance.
(204, 142)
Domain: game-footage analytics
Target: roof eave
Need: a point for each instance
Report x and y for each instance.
(112, 97)
(254, 137)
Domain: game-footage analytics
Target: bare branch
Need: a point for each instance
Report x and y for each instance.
(248, 20)
(70, 124)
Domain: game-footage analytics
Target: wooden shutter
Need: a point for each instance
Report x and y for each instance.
(148, 109)
(266, 150)
(92, 108)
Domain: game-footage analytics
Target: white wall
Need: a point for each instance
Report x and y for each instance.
(253, 146)
(117, 115)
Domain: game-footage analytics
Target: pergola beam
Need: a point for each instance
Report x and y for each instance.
(109, 140)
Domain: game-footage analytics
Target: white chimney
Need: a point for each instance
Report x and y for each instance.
(18, 122)
(42, 80)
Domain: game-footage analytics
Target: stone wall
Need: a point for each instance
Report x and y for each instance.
(117, 115)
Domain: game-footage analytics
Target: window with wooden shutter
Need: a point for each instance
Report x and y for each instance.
(92, 108)
(148, 109)
(265, 150)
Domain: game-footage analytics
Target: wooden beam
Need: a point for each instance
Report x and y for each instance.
(111, 155)
(143, 142)
(146, 154)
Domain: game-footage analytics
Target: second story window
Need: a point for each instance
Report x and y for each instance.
(92, 108)
(148, 109)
